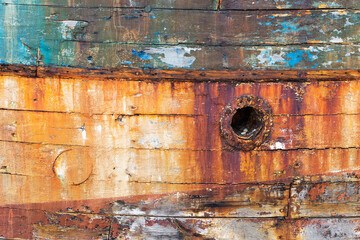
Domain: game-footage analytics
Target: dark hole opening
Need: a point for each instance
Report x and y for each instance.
(247, 122)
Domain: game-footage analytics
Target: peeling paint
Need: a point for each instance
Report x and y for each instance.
(174, 56)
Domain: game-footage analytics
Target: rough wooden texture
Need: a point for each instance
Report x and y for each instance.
(46, 34)
(162, 4)
(288, 4)
(187, 4)
(135, 154)
(127, 145)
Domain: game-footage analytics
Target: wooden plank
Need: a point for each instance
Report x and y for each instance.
(325, 199)
(285, 4)
(112, 55)
(186, 27)
(81, 39)
(243, 229)
(244, 200)
(35, 224)
(325, 228)
(209, 4)
(153, 4)
(184, 228)
(172, 131)
(115, 96)
(131, 227)
(67, 226)
(239, 167)
(147, 74)
(176, 166)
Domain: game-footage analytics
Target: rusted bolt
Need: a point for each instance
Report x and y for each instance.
(297, 165)
(246, 122)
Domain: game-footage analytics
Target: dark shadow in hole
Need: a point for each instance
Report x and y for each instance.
(247, 122)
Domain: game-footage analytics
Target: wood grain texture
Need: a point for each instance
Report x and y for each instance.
(219, 40)
(186, 4)
(116, 55)
(325, 199)
(172, 131)
(128, 131)
(119, 96)
(179, 215)
(127, 145)
(133, 26)
(284, 4)
(156, 4)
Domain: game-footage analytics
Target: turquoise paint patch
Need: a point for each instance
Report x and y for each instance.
(329, 4)
(21, 45)
(266, 24)
(288, 27)
(299, 56)
(141, 54)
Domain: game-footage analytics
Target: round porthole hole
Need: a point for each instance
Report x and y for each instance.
(246, 122)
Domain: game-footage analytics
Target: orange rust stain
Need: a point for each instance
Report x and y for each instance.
(168, 132)
(316, 191)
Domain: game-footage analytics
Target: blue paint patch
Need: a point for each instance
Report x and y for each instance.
(288, 27)
(328, 4)
(141, 54)
(149, 66)
(131, 16)
(152, 16)
(126, 62)
(266, 24)
(299, 56)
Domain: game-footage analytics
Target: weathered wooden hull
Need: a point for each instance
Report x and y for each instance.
(183, 119)
(122, 156)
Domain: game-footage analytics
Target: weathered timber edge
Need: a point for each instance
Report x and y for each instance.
(180, 74)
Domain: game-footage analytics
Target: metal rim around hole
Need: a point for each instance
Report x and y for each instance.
(250, 142)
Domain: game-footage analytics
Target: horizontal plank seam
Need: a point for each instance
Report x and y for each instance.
(103, 114)
(261, 79)
(180, 75)
(173, 149)
(164, 114)
(135, 215)
(210, 9)
(215, 184)
(221, 45)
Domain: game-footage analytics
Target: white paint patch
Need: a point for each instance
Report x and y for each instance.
(83, 134)
(331, 229)
(339, 12)
(349, 54)
(70, 23)
(127, 210)
(174, 56)
(348, 23)
(267, 58)
(150, 141)
(67, 28)
(98, 129)
(336, 40)
(61, 169)
(277, 145)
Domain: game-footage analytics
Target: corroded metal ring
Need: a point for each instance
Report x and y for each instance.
(246, 139)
